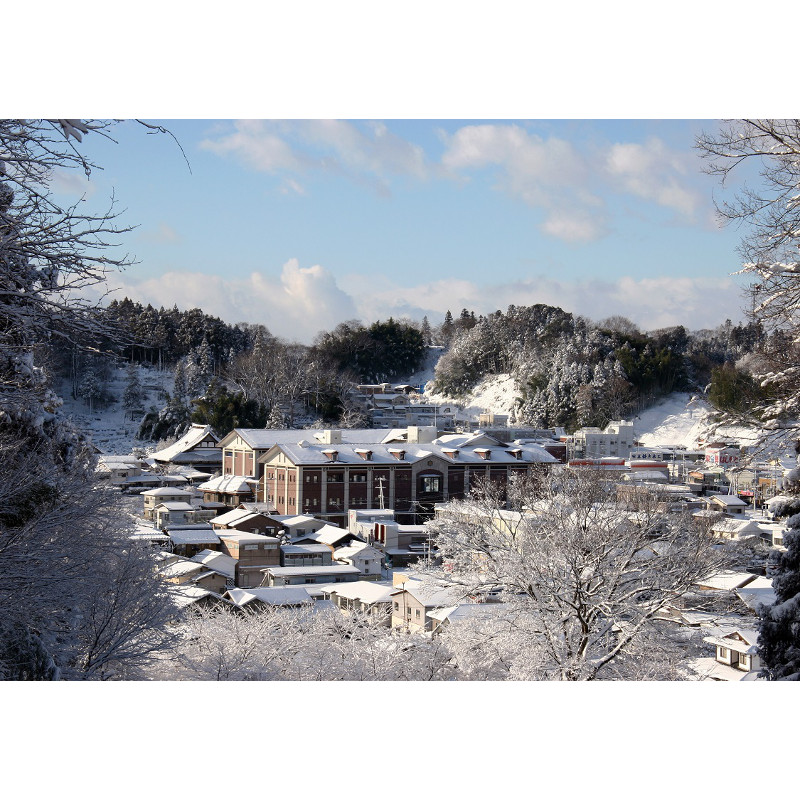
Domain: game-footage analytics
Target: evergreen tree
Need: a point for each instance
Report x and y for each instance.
(779, 624)
(132, 396)
(425, 330)
(90, 389)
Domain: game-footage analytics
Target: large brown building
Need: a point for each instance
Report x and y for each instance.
(326, 480)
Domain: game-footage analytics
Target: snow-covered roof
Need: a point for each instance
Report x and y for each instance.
(757, 592)
(186, 594)
(467, 611)
(294, 521)
(432, 595)
(193, 536)
(231, 517)
(737, 527)
(218, 562)
(361, 549)
(264, 438)
(748, 646)
(728, 499)
(331, 569)
(179, 568)
(166, 491)
(365, 591)
(190, 439)
(726, 580)
(228, 484)
(328, 534)
(411, 453)
(175, 506)
(271, 595)
(296, 549)
(245, 538)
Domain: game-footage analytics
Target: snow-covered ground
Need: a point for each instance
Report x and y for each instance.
(685, 420)
(108, 428)
(497, 393)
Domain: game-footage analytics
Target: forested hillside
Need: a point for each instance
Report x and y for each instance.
(572, 372)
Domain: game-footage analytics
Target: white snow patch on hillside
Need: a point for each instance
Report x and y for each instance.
(425, 372)
(496, 393)
(110, 429)
(686, 420)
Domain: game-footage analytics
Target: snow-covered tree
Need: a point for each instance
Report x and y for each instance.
(299, 644)
(54, 537)
(770, 211)
(779, 623)
(90, 388)
(133, 394)
(582, 577)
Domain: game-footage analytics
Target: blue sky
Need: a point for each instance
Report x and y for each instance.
(301, 224)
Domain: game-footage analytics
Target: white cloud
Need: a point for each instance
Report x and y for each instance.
(549, 174)
(302, 301)
(164, 234)
(650, 302)
(334, 146)
(296, 305)
(654, 172)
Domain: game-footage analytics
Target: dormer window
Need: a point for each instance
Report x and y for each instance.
(484, 453)
(451, 453)
(365, 454)
(516, 452)
(398, 454)
(331, 454)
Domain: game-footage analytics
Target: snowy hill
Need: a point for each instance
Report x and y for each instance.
(685, 419)
(108, 428)
(497, 393)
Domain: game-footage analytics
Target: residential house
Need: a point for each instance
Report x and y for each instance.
(737, 650)
(413, 601)
(331, 535)
(363, 597)
(229, 490)
(188, 541)
(253, 552)
(367, 559)
(728, 504)
(164, 494)
(293, 576)
(276, 596)
(198, 448)
(243, 520)
(223, 567)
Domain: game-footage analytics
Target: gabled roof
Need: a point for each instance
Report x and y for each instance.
(193, 536)
(727, 499)
(328, 534)
(273, 596)
(411, 453)
(228, 484)
(190, 439)
(218, 562)
(264, 438)
(175, 506)
(730, 640)
(365, 591)
(432, 595)
(166, 491)
(726, 579)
